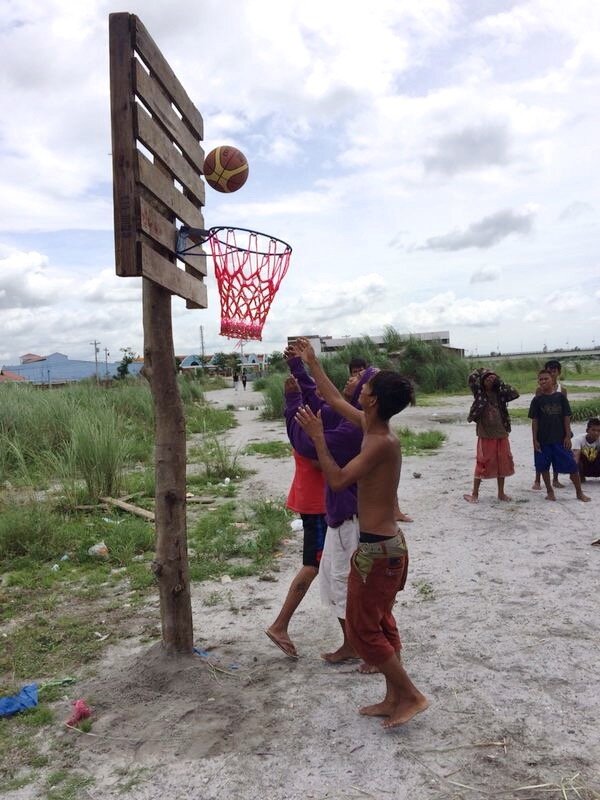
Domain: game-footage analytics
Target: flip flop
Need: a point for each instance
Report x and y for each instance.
(596, 543)
(281, 646)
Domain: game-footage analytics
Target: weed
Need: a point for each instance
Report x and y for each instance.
(219, 459)
(221, 535)
(206, 419)
(425, 590)
(68, 786)
(419, 443)
(212, 599)
(273, 449)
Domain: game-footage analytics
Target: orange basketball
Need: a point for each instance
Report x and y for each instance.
(226, 168)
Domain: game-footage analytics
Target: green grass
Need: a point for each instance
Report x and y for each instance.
(206, 419)
(420, 443)
(273, 449)
(218, 458)
(250, 539)
(582, 410)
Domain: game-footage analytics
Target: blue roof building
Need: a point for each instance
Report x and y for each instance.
(58, 369)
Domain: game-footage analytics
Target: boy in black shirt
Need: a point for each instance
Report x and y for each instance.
(550, 415)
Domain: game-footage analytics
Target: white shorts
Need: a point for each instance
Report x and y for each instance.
(340, 544)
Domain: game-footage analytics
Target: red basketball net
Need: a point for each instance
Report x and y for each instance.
(249, 267)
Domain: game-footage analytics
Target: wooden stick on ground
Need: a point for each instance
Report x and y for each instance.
(140, 512)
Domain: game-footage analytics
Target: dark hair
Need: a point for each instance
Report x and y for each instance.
(544, 372)
(393, 393)
(357, 363)
(553, 364)
(594, 421)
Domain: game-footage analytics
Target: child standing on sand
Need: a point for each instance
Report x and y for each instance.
(554, 367)
(489, 411)
(550, 415)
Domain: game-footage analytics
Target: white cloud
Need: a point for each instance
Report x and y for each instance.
(447, 310)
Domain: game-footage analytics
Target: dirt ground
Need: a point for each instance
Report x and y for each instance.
(499, 631)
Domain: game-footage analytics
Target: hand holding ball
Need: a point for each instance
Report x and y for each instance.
(226, 169)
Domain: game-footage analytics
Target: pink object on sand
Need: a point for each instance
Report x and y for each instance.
(81, 710)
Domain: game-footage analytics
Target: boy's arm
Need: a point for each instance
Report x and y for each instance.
(567, 421)
(533, 410)
(307, 385)
(325, 386)
(507, 392)
(338, 477)
(534, 433)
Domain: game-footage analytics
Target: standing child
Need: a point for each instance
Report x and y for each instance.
(550, 416)
(236, 380)
(489, 411)
(307, 498)
(586, 449)
(380, 563)
(554, 368)
(244, 379)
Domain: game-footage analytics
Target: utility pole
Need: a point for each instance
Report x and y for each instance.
(202, 345)
(106, 355)
(96, 351)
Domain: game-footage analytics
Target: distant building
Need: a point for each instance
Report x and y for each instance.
(58, 369)
(11, 377)
(329, 344)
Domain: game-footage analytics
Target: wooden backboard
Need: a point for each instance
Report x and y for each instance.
(156, 193)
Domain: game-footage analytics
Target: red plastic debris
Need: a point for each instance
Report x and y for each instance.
(81, 710)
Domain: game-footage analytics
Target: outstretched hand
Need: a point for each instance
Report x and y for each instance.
(310, 423)
(304, 349)
(289, 352)
(291, 385)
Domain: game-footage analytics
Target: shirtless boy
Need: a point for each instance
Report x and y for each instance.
(379, 565)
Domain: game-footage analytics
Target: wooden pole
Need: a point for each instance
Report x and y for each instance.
(171, 563)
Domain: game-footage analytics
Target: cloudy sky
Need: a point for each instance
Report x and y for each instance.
(434, 165)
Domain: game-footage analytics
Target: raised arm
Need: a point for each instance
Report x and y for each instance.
(329, 391)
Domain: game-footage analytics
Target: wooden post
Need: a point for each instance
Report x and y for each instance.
(170, 565)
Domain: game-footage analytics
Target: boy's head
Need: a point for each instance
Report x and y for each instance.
(356, 365)
(593, 429)
(553, 367)
(546, 381)
(489, 380)
(389, 390)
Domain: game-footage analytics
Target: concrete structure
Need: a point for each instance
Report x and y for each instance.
(329, 344)
(58, 369)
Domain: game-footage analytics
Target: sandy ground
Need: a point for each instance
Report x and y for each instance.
(499, 631)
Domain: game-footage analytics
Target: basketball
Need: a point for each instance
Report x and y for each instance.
(226, 169)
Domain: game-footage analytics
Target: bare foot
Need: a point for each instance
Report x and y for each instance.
(471, 498)
(383, 709)
(504, 497)
(367, 669)
(402, 517)
(536, 486)
(405, 711)
(584, 498)
(343, 653)
(283, 642)
(550, 496)
(557, 484)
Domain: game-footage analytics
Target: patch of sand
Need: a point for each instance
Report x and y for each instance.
(499, 632)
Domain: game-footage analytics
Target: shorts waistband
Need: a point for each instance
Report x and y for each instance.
(391, 546)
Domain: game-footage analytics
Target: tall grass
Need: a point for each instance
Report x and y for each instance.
(274, 398)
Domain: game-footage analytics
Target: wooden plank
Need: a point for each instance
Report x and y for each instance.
(164, 273)
(139, 512)
(151, 135)
(161, 230)
(123, 144)
(158, 66)
(160, 186)
(150, 92)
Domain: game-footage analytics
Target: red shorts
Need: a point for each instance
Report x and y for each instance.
(494, 459)
(373, 584)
